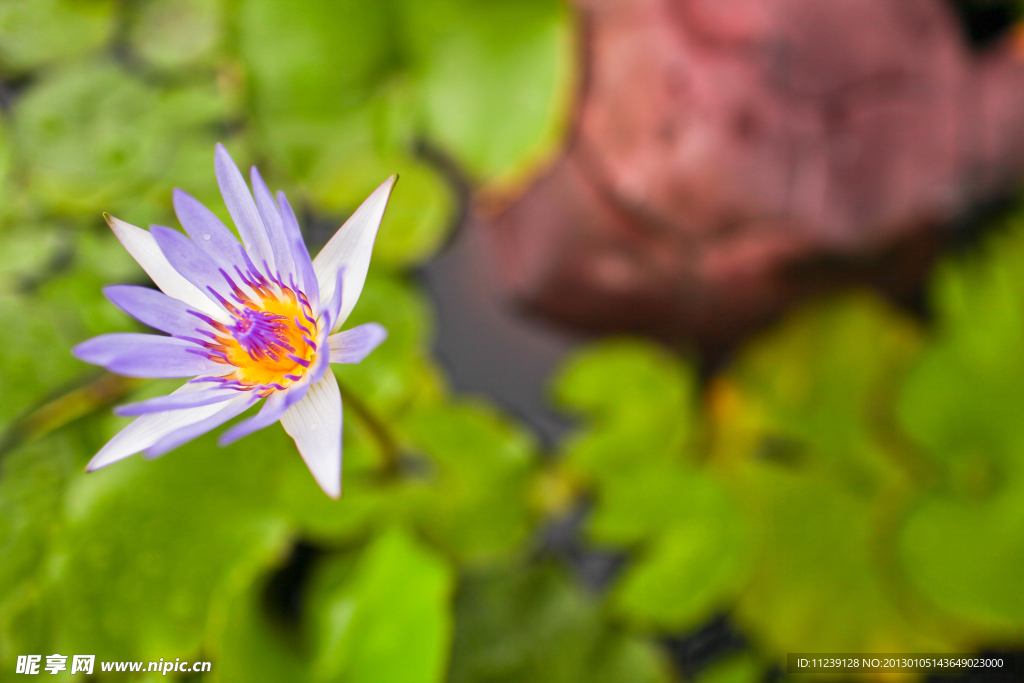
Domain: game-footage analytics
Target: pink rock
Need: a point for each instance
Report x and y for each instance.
(731, 157)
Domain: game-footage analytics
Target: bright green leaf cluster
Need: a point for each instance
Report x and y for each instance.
(851, 482)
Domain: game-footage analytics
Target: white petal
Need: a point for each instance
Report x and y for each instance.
(145, 431)
(143, 248)
(315, 424)
(352, 247)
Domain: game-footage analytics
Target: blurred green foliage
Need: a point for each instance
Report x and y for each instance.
(853, 481)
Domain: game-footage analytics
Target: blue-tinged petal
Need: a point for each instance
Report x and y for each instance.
(273, 223)
(352, 346)
(147, 355)
(351, 248)
(322, 359)
(178, 437)
(148, 429)
(156, 309)
(300, 254)
(143, 248)
(193, 399)
(191, 261)
(242, 207)
(331, 311)
(315, 425)
(288, 220)
(207, 231)
(277, 403)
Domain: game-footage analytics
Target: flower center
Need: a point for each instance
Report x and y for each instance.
(270, 340)
(263, 335)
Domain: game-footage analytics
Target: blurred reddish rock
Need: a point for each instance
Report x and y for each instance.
(731, 157)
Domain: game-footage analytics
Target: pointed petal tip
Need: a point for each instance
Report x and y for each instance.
(81, 351)
(222, 158)
(93, 465)
(331, 489)
(114, 222)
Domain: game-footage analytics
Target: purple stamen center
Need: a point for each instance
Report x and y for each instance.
(261, 334)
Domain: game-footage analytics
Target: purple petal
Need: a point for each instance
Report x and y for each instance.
(195, 399)
(144, 249)
(290, 223)
(206, 230)
(242, 207)
(272, 410)
(333, 307)
(300, 255)
(352, 346)
(144, 431)
(192, 262)
(154, 308)
(181, 436)
(273, 224)
(147, 355)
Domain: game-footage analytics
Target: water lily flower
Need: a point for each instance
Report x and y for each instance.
(249, 321)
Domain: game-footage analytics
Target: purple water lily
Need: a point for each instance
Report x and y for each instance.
(248, 322)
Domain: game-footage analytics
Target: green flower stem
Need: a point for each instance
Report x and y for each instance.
(97, 393)
(390, 451)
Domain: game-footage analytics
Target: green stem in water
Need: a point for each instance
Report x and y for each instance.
(390, 451)
(97, 393)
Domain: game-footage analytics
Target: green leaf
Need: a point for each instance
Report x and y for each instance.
(172, 34)
(32, 482)
(637, 453)
(979, 583)
(962, 405)
(398, 373)
(496, 78)
(473, 503)
(532, 624)
(319, 72)
(149, 546)
(343, 92)
(91, 135)
(310, 60)
(41, 32)
(693, 567)
(638, 403)
(805, 440)
(34, 353)
(385, 620)
(246, 644)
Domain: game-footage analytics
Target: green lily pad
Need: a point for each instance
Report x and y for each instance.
(172, 34)
(41, 32)
(962, 405)
(496, 80)
(90, 135)
(805, 442)
(637, 454)
(472, 499)
(386, 618)
(532, 624)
